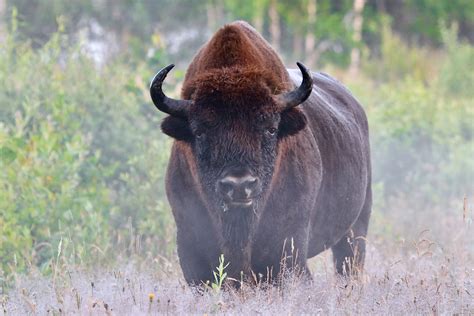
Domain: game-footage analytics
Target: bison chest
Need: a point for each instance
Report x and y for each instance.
(283, 229)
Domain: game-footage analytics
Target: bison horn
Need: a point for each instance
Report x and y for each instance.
(162, 102)
(293, 98)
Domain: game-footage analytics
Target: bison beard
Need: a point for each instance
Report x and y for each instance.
(291, 144)
(238, 226)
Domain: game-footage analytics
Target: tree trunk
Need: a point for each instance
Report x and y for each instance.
(259, 10)
(3, 20)
(215, 14)
(310, 40)
(356, 36)
(211, 16)
(297, 47)
(275, 31)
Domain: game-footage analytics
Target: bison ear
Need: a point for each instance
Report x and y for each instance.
(177, 127)
(292, 121)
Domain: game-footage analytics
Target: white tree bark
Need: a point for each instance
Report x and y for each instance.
(259, 11)
(310, 39)
(215, 13)
(356, 36)
(3, 20)
(298, 47)
(275, 31)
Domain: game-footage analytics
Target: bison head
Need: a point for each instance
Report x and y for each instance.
(234, 124)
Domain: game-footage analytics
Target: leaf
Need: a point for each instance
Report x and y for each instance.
(7, 155)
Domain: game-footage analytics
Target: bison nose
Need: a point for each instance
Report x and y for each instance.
(237, 189)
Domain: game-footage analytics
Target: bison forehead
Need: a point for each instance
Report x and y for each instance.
(235, 86)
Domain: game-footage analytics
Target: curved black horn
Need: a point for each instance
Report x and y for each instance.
(291, 99)
(162, 102)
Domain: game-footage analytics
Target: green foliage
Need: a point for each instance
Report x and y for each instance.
(130, 24)
(419, 139)
(51, 180)
(82, 159)
(398, 60)
(428, 13)
(456, 76)
(422, 134)
(219, 275)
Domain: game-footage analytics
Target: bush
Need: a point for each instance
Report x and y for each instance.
(457, 78)
(82, 158)
(46, 156)
(398, 60)
(421, 136)
(421, 140)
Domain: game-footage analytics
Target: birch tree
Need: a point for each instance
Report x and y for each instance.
(310, 39)
(356, 36)
(3, 18)
(275, 31)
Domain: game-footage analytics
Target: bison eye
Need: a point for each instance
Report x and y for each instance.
(272, 131)
(199, 134)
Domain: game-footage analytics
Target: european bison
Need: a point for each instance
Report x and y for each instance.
(269, 166)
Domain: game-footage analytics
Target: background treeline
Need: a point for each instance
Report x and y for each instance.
(82, 158)
(319, 31)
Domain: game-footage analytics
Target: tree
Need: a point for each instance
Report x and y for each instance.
(356, 36)
(3, 17)
(275, 31)
(310, 40)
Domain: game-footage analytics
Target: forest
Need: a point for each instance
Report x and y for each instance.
(83, 210)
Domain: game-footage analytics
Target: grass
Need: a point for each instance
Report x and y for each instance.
(408, 277)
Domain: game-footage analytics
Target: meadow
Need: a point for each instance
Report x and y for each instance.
(86, 227)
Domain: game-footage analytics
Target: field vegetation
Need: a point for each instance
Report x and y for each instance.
(85, 226)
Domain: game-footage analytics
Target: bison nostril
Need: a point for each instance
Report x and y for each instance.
(247, 192)
(225, 187)
(251, 183)
(237, 188)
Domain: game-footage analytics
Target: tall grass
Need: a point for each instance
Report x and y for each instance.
(429, 279)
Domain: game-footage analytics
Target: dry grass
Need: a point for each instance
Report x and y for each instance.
(420, 277)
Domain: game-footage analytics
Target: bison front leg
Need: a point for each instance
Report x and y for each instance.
(198, 250)
(197, 270)
(277, 259)
(294, 257)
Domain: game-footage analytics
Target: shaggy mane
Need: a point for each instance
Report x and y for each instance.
(234, 84)
(232, 61)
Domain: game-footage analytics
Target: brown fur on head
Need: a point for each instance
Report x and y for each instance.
(248, 85)
(237, 46)
(236, 70)
(243, 92)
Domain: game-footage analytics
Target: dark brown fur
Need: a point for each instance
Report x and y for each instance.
(315, 173)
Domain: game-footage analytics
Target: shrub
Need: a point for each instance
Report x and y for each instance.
(422, 138)
(82, 158)
(398, 60)
(456, 76)
(51, 183)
